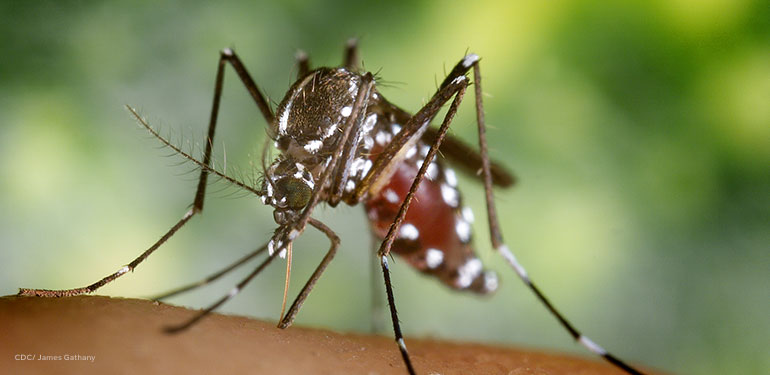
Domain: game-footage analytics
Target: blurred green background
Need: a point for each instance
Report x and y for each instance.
(640, 133)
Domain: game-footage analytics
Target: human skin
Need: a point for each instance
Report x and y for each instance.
(126, 336)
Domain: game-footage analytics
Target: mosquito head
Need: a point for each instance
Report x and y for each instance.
(287, 186)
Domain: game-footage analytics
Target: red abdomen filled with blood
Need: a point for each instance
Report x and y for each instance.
(435, 236)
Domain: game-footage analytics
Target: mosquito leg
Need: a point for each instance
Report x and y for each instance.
(288, 319)
(227, 55)
(303, 63)
(497, 238)
(348, 146)
(348, 153)
(351, 55)
(414, 128)
(233, 292)
(384, 250)
(230, 56)
(394, 228)
(394, 315)
(213, 277)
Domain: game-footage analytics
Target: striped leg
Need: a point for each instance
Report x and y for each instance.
(497, 238)
(455, 88)
(226, 56)
(394, 315)
(233, 292)
(213, 277)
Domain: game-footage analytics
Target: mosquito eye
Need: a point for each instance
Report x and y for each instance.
(296, 191)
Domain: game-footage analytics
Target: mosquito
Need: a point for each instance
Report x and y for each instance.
(340, 140)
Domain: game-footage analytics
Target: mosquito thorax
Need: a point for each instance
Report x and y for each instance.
(310, 118)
